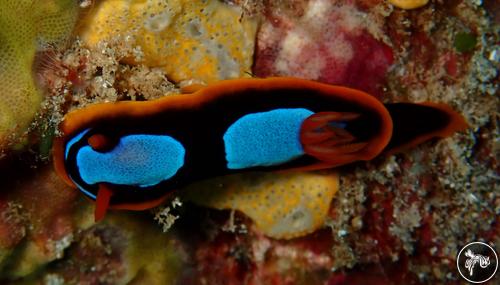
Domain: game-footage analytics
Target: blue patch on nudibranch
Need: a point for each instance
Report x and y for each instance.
(73, 141)
(265, 138)
(139, 160)
(85, 191)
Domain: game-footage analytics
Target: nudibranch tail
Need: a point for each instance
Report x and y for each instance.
(415, 123)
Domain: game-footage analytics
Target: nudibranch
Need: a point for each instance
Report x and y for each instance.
(132, 155)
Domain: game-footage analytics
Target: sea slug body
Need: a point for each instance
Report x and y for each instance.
(132, 155)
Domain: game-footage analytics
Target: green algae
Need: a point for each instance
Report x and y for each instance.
(465, 42)
(27, 26)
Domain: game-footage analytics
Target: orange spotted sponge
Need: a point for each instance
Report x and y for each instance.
(205, 40)
(409, 4)
(282, 205)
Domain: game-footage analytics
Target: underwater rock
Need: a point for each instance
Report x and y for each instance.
(238, 254)
(336, 44)
(282, 205)
(12, 230)
(197, 40)
(123, 249)
(27, 25)
(42, 209)
(44, 225)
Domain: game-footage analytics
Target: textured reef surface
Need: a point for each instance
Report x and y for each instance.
(200, 41)
(399, 219)
(337, 44)
(27, 26)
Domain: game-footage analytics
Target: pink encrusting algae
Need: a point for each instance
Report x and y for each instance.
(336, 44)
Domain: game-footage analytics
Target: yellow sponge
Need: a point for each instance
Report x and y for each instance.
(409, 4)
(282, 205)
(25, 25)
(204, 40)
